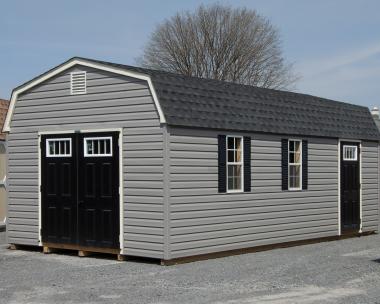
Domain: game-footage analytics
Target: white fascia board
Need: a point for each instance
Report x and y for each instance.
(86, 63)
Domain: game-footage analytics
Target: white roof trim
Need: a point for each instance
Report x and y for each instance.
(86, 63)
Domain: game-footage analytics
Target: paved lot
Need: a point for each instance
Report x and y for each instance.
(346, 271)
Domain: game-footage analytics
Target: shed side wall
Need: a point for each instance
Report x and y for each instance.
(112, 101)
(370, 186)
(204, 221)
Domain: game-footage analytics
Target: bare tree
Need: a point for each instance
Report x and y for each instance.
(220, 42)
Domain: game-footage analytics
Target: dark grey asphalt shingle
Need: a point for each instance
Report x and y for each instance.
(205, 103)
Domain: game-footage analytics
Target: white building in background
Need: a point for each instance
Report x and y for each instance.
(376, 116)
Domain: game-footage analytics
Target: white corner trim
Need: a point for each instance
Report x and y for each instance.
(86, 63)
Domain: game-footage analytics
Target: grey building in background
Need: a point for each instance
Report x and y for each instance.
(115, 158)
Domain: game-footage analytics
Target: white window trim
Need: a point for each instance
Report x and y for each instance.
(356, 153)
(71, 82)
(98, 154)
(234, 163)
(289, 164)
(48, 140)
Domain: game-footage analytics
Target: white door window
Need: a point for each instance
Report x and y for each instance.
(350, 153)
(97, 146)
(58, 147)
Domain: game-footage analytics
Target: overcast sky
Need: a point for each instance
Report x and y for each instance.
(334, 45)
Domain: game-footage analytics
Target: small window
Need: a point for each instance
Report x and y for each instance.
(295, 164)
(78, 83)
(97, 146)
(234, 164)
(58, 147)
(350, 153)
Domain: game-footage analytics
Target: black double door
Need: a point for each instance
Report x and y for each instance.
(80, 189)
(350, 187)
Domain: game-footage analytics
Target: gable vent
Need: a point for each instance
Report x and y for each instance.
(78, 83)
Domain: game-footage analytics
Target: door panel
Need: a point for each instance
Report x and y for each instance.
(98, 186)
(58, 189)
(80, 189)
(350, 187)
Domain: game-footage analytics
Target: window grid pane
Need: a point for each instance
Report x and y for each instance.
(58, 147)
(234, 163)
(295, 164)
(97, 146)
(350, 153)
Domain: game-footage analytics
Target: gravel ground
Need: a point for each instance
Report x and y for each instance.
(345, 271)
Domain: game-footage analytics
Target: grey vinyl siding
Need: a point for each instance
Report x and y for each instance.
(204, 221)
(172, 207)
(370, 186)
(112, 101)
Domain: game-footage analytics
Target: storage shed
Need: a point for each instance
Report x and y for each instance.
(115, 158)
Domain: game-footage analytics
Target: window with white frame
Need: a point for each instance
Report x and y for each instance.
(58, 147)
(295, 164)
(350, 153)
(97, 146)
(234, 163)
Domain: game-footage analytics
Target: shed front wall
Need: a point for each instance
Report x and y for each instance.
(205, 221)
(111, 101)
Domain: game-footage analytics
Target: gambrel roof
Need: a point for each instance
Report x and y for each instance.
(205, 103)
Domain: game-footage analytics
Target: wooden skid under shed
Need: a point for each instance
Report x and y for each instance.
(82, 251)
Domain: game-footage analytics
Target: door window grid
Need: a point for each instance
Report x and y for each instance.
(97, 146)
(350, 153)
(295, 164)
(234, 164)
(58, 147)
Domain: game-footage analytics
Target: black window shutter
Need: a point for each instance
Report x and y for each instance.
(247, 164)
(304, 164)
(222, 164)
(284, 164)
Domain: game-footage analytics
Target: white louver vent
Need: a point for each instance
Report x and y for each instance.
(78, 83)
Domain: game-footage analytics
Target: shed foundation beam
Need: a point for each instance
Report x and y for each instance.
(13, 247)
(83, 253)
(122, 257)
(47, 250)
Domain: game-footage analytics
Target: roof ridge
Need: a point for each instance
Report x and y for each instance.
(266, 90)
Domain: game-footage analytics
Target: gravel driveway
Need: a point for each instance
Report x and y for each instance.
(345, 271)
